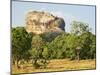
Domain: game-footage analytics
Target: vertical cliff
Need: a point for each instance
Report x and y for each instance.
(40, 22)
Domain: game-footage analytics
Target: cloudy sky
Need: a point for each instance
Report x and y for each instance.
(67, 11)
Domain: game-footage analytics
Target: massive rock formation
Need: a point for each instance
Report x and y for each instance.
(39, 22)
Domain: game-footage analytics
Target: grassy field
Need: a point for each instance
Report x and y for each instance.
(58, 65)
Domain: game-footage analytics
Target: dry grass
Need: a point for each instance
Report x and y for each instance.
(58, 65)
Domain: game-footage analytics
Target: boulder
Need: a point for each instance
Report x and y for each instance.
(40, 22)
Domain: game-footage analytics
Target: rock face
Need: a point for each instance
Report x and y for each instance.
(40, 22)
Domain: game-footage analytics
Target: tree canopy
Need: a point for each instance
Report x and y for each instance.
(79, 44)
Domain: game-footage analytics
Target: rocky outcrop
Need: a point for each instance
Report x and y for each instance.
(39, 22)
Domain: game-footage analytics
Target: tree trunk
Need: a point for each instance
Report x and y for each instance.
(35, 61)
(17, 65)
(78, 57)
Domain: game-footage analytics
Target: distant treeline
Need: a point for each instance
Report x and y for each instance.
(79, 44)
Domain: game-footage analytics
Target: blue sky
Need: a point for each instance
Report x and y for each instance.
(67, 12)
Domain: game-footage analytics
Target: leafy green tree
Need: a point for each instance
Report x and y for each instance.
(39, 52)
(45, 55)
(36, 50)
(73, 42)
(58, 46)
(93, 47)
(21, 43)
(86, 44)
(89, 46)
(85, 38)
(35, 56)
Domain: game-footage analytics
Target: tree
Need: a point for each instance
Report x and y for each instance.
(45, 55)
(79, 28)
(21, 43)
(36, 49)
(89, 45)
(85, 38)
(73, 42)
(93, 47)
(59, 47)
(35, 56)
(39, 52)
